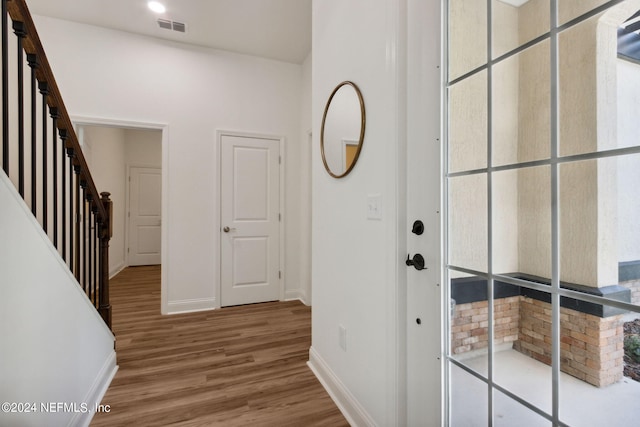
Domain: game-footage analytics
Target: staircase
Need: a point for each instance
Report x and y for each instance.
(41, 155)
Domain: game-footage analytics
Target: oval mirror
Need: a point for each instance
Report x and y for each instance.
(342, 131)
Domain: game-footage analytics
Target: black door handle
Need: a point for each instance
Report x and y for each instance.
(418, 227)
(417, 261)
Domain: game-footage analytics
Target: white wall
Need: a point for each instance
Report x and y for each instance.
(355, 260)
(143, 147)
(195, 91)
(107, 148)
(55, 347)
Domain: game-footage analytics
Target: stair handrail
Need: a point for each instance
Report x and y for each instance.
(100, 203)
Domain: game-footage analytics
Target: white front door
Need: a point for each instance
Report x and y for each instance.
(250, 220)
(424, 287)
(145, 196)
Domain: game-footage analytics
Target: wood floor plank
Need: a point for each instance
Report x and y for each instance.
(238, 366)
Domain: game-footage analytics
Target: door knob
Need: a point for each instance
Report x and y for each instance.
(227, 229)
(417, 261)
(418, 227)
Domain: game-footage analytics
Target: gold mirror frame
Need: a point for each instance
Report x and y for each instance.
(362, 128)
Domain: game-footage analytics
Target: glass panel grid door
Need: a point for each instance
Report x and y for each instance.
(542, 245)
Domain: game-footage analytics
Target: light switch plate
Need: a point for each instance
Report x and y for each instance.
(374, 206)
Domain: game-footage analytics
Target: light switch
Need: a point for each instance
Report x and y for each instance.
(374, 206)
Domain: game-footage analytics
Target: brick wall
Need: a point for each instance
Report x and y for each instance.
(469, 326)
(591, 346)
(534, 338)
(634, 287)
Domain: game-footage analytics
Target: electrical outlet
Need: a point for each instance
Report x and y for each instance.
(342, 337)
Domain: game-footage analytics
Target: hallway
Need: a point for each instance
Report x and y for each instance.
(243, 365)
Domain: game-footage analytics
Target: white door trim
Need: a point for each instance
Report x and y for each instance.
(283, 216)
(164, 128)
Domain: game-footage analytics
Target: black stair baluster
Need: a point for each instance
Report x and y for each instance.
(32, 60)
(21, 33)
(71, 155)
(5, 89)
(63, 187)
(89, 240)
(54, 124)
(83, 226)
(44, 90)
(76, 233)
(95, 256)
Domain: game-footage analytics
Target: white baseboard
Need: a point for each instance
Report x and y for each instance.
(296, 294)
(191, 305)
(117, 269)
(97, 391)
(355, 414)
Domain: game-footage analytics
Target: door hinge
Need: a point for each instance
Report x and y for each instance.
(279, 160)
(279, 274)
(279, 217)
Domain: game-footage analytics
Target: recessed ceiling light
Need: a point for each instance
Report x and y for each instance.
(157, 7)
(516, 3)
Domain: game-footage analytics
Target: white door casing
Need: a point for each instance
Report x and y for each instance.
(145, 216)
(249, 219)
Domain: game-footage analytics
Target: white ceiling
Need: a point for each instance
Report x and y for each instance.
(277, 29)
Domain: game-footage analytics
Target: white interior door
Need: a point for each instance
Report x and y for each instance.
(250, 220)
(145, 207)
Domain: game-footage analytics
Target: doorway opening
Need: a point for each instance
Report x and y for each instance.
(126, 159)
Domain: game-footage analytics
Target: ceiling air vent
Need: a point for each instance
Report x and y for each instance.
(179, 26)
(172, 25)
(163, 23)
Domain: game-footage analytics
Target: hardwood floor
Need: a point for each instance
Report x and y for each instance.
(237, 366)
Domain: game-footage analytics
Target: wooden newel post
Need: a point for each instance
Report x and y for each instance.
(105, 232)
